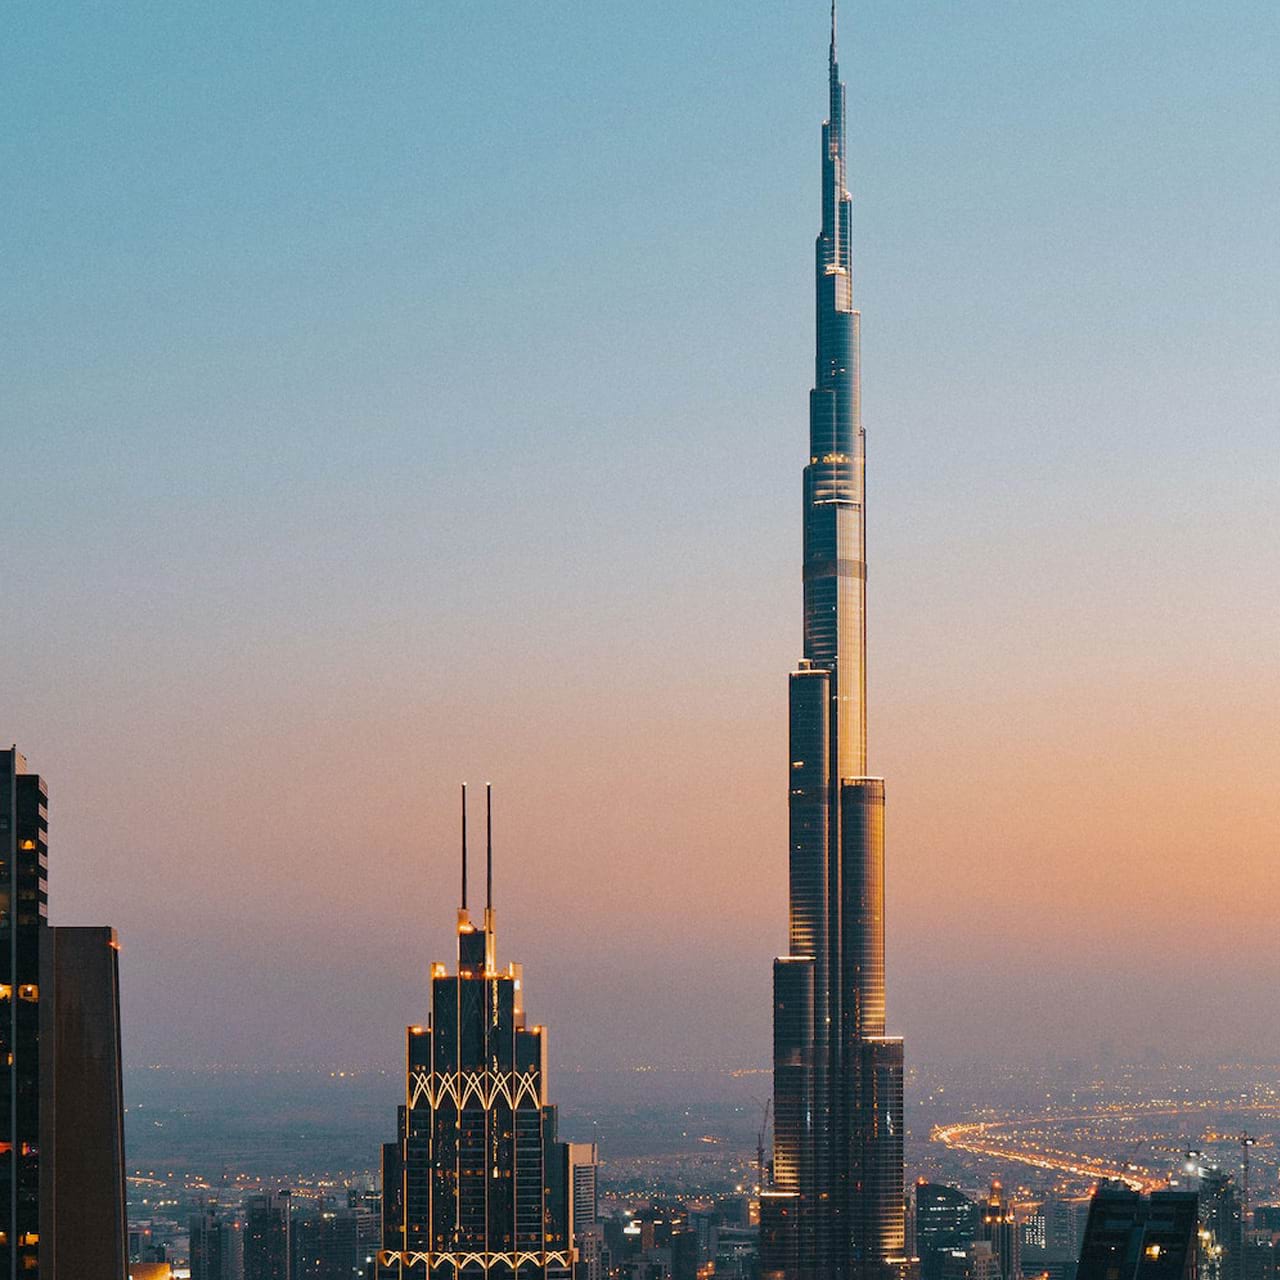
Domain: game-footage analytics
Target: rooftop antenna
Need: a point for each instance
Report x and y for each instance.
(490, 953)
(462, 915)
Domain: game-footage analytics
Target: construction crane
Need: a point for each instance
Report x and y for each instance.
(764, 1128)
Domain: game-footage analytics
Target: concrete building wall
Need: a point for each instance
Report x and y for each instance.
(82, 1096)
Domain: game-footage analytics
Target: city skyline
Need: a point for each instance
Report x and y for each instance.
(258, 546)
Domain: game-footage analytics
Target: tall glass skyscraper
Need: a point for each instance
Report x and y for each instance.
(477, 1182)
(835, 1208)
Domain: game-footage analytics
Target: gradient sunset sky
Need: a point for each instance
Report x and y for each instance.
(410, 392)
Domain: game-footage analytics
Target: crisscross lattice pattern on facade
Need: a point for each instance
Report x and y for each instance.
(486, 1260)
(483, 1088)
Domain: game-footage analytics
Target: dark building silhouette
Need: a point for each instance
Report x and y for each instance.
(477, 1178)
(1064, 1224)
(268, 1236)
(974, 1261)
(24, 906)
(1050, 1238)
(1266, 1217)
(1222, 1223)
(998, 1225)
(143, 1244)
(1129, 1236)
(82, 1100)
(946, 1221)
(216, 1246)
(1260, 1259)
(61, 1105)
(835, 1209)
(331, 1245)
(661, 1240)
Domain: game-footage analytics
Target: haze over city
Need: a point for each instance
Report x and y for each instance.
(411, 393)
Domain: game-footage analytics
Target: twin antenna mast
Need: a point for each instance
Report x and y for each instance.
(464, 920)
(488, 846)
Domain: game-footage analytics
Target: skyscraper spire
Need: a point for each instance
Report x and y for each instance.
(464, 851)
(835, 1210)
(488, 846)
(464, 916)
(490, 933)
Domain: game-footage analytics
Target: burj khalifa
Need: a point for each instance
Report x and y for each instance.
(834, 1209)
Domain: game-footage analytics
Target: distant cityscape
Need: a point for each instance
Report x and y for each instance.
(658, 1154)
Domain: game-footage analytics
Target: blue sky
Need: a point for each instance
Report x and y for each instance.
(427, 381)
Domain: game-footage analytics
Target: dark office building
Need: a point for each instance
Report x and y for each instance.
(835, 1209)
(268, 1236)
(61, 1107)
(368, 1234)
(217, 1247)
(329, 1246)
(661, 1239)
(1133, 1237)
(1266, 1217)
(1222, 1226)
(1050, 1239)
(998, 1226)
(477, 1178)
(82, 1101)
(946, 1220)
(1064, 1224)
(1260, 1260)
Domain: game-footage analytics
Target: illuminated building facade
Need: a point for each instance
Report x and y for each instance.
(61, 1103)
(477, 1182)
(836, 1208)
